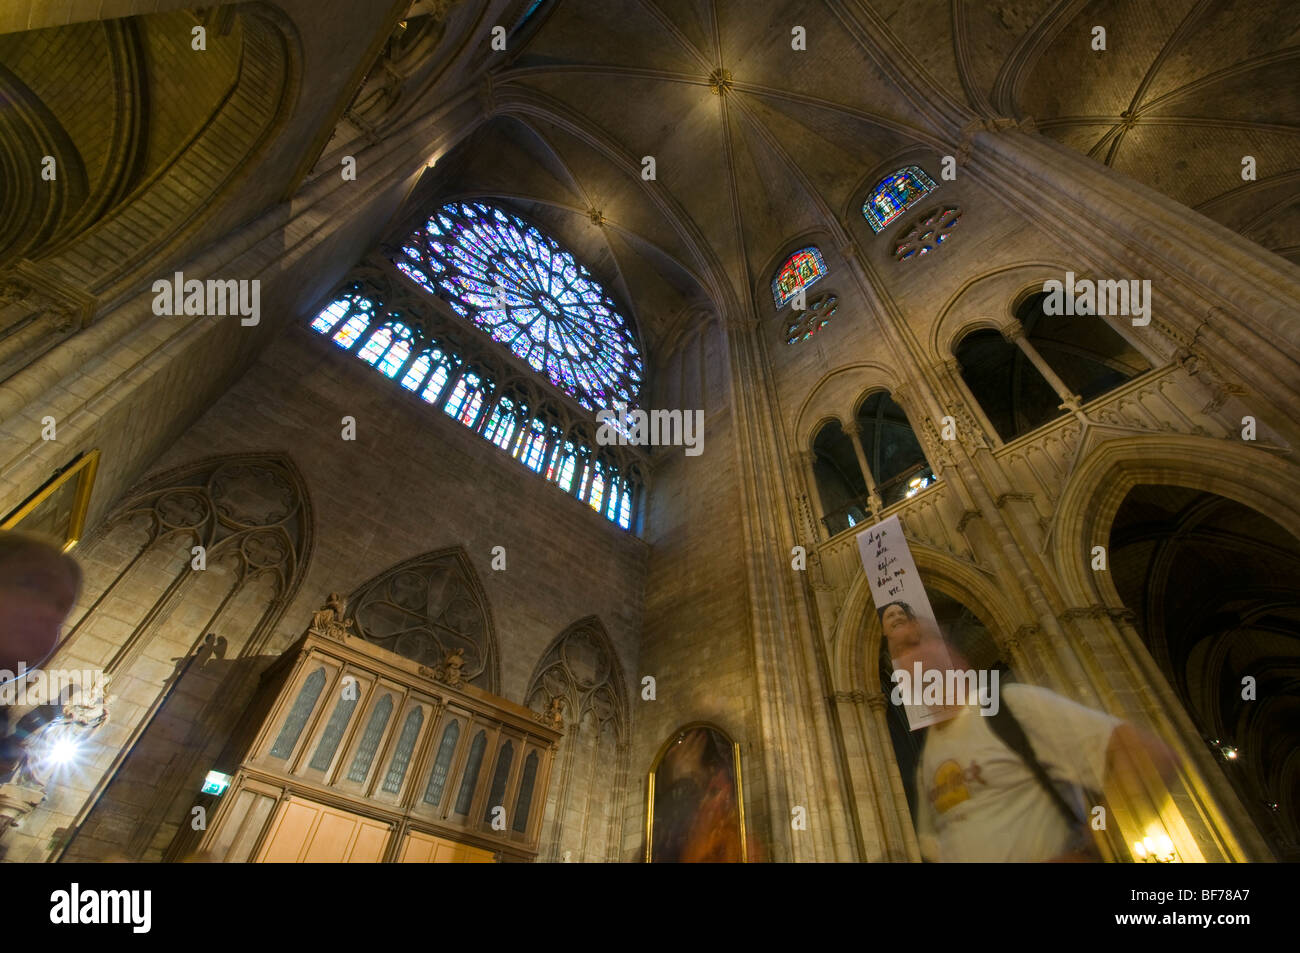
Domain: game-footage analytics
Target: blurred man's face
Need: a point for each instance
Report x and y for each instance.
(38, 588)
(928, 648)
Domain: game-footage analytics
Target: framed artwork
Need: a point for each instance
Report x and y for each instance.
(57, 510)
(696, 811)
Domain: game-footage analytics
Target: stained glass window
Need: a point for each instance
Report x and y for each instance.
(934, 228)
(799, 271)
(298, 714)
(466, 399)
(528, 293)
(562, 465)
(442, 764)
(894, 194)
(524, 799)
(597, 487)
(402, 753)
(370, 739)
(625, 507)
(334, 728)
(804, 324)
(470, 779)
(501, 425)
(505, 757)
(388, 348)
(361, 324)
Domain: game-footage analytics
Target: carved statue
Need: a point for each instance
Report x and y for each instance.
(555, 712)
(452, 665)
(328, 619)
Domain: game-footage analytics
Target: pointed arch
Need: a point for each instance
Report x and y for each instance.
(248, 517)
(251, 510)
(427, 606)
(581, 668)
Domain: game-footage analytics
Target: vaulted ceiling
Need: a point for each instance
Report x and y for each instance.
(757, 144)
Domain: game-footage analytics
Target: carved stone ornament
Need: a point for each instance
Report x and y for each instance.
(328, 619)
(450, 673)
(969, 433)
(12, 291)
(554, 715)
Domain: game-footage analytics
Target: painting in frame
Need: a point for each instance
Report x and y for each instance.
(696, 810)
(57, 511)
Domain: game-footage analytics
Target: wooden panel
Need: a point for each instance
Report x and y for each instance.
(251, 829)
(290, 831)
(368, 846)
(417, 848)
(332, 839)
(306, 832)
(446, 852)
(421, 848)
(474, 855)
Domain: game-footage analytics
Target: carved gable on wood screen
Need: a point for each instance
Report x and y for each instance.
(426, 607)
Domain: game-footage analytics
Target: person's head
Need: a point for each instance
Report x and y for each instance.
(900, 625)
(38, 588)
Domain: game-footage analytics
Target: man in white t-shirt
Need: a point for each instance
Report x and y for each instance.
(978, 800)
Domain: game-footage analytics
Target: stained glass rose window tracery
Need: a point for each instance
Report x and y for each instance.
(804, 324)
(895, 194)
(527, 292)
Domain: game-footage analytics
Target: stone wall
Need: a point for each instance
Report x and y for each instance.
(413, 481)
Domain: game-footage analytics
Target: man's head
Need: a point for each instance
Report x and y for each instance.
(38, 588)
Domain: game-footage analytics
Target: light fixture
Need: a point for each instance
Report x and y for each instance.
(215, 783)
(1155, 849)
(1229, 752)
(63, 750)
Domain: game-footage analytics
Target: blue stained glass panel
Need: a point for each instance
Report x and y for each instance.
(894, 194)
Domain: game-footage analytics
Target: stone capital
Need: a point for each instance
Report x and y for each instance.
(1012, 331)
(966, 517)
(1024, 632)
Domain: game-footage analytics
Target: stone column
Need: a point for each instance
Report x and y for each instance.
(855, 435)
(1015, 334)
(1124, 230)
(804, 461)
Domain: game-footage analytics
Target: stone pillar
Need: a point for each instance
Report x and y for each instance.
(855, 435)
(800, 761)
(804, 461)
(1015, 334)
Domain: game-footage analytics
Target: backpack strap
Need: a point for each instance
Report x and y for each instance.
(1010, 732)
